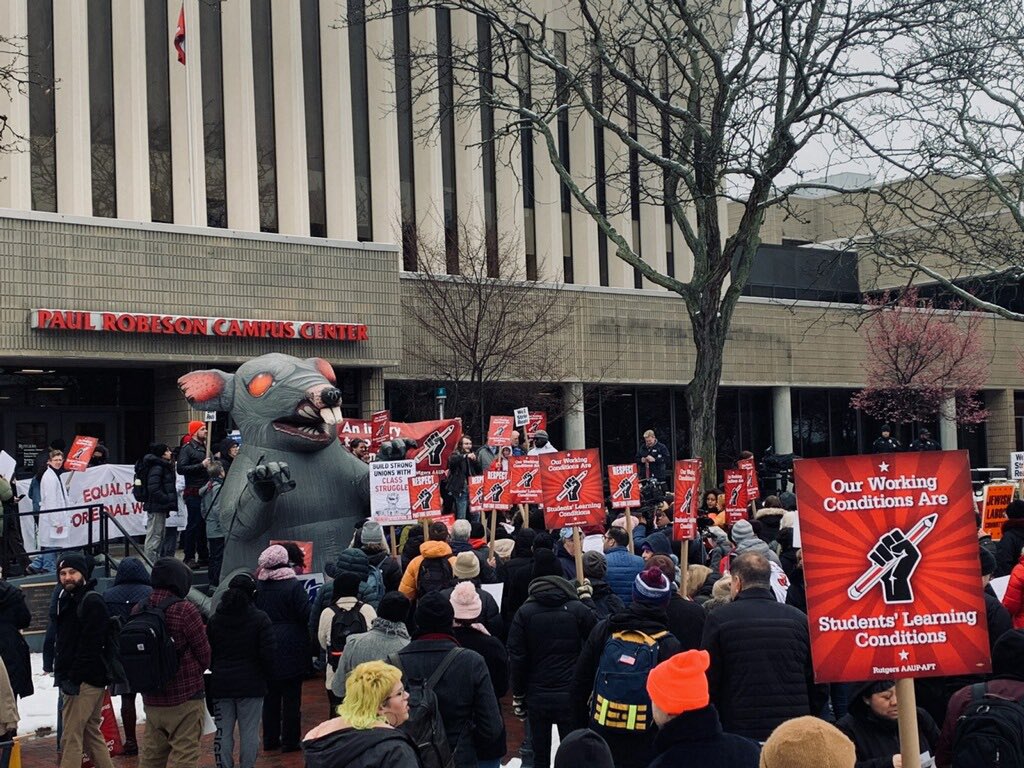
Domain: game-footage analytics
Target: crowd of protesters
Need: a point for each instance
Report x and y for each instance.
(651, 656)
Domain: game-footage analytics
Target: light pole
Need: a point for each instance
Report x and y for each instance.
(442, 395)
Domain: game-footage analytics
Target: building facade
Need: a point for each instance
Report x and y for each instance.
(160, 217)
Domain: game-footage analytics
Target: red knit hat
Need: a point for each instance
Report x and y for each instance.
(679, 684)
(195, 426)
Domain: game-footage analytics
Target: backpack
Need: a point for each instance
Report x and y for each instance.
(111, 643)
(990, 732)
(435, 574)
(375, 590)
(424, 725)
(345, 622)
(140, 489)
(620, 702)
(147, 649)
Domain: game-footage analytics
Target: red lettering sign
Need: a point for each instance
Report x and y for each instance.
(524, 480)
(891, 566)
(424, 497)
(496, 495)
(686, 499)
(500, 432)
(624, 484)
(476, 493)
(538, 420)
(80, 453)
(749, 470)
(573, 489)
(380, 426)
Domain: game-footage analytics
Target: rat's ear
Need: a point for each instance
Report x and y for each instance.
(209, 390)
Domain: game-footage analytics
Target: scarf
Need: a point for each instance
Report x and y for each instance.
(275, 573)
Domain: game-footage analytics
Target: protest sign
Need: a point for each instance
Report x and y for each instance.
(436, 439)
(686, 499)
(80, 453)
(476, 494)
(424, 497)
(380, 426)
(496, 494)
(538, 420)
(891, 566)
(306, 547)
(389, 491)
(735, 486)
(573, 490)
(997, 497)
(524, 480)
(624, 485)
(749, 470)
(7, 465)
(1017, 465)
(312, 583)
(500, 432)
(521, 416)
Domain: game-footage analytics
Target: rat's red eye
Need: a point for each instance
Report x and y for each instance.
(260, 383)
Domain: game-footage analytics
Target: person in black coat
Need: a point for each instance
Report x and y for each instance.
(14, 617)
(161, 496)
(760, 651)
(646, 614)
(544, 642)
(131, 586)
(606, 602)
(242, 657)
(282, 597)
(872, 726)
(685, 617)
(469, 710)
(1008, 548)
(515, 573)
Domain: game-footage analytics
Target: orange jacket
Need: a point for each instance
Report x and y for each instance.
(429, 549)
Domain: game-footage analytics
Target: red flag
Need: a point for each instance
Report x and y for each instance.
(179, 36)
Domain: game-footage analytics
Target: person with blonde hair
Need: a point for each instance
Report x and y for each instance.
(697, 582)
(366, 733)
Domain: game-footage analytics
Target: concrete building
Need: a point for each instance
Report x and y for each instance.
(146, 205)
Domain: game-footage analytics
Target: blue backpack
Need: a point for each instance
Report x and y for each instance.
(374, 591)
(619, 703)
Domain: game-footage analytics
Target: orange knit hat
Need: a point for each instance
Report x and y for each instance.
(679, 684)
(195, 426)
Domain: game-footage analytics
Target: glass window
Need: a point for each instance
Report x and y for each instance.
(526, 165)
(360, 118)
(158, 106)
(406, 141)
(811, 422)
(618, 422)
(562, 97)
(311, 79)
(42, 122)
(446, 107)
(101, 109)
(666, 148)
(263, 97)
(843, 423)
(654, 411)
(681, 436)
(483, 42)
(213, 115)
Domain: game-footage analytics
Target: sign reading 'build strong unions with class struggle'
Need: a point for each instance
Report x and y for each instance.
(891, 565)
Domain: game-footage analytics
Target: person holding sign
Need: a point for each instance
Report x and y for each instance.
(1009, 547)
(871, 724)
(462, 464)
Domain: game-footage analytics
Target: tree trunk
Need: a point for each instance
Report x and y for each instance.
(702, 392)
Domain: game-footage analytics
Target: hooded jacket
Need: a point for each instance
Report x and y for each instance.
(243, 650)
(1008, 548)
(14, 617)
(361, 748)
(131, 586)
(606, 602)
(544, 642)
(695, 739)
(876, 738)
(383, 639)
(771, 519)
(161, 494)
(747, 541)
(429, 550)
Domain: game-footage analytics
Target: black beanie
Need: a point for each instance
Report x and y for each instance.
(1008, 655)
(988, 562)
(77, 561)
(545, 564)
(394, 606)
(171, 574)
(434, 614)
(583, 747)
(345, 585)
(1015, 510)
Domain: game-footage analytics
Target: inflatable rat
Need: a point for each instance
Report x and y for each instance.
(292, 479)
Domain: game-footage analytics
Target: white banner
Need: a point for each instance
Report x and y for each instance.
(389, 491)
(108, 484)
(1017, 465)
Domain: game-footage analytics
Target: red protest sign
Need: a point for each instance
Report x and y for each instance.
(624, 484)
(424, 497)
(380, 425)
(749, 470)
(891, 566)
(573, 491)
(686, 499)
(80, 452)
(538, 420)
(500, 432)
(436, 439)
(476, 493)
(306, 547)
(496, 494)
(524, 480)
(735, 485)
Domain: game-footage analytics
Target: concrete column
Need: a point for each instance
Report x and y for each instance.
(469, 172)
(511, 217)
(575, 426)
(339, 164)
(584, 228)
(290, 121)
(947, 424)
(372, 392)
(15, 164)
(616, 166)
(782, 420)
(131, 116)
(385, 195)
(71, 70)
(240, 117)
(427, 148)
(188, 151)
(547, 199)
(1000, 428)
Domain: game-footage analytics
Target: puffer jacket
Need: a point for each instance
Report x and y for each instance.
(131, 586)
(361, 748)
(544, 642)
(1013, 599)
(161, 493)
(14, 617)
(1008, 548)
(428, 550)
(876, 738)
(760, 674)
(389, 567)
(622, 570)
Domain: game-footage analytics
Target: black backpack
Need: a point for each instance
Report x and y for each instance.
(435, 574)
(990, 732)
(425, 726)
(148, 653)
(140, 489)
(344, 623)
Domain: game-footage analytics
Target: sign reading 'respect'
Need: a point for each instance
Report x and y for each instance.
(891, 565)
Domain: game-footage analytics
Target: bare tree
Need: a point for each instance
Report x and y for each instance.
(484, 329)
(698, 102)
